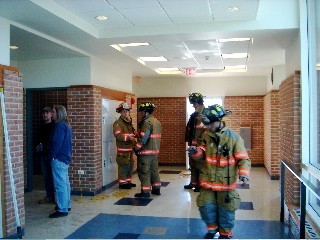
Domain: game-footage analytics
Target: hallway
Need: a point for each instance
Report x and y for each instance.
(116, 214)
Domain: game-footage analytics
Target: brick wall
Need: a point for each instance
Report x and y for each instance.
(247, 111)
(171, 112)
(272, 134)
(13, 97)
(84, 111)
(290, 135)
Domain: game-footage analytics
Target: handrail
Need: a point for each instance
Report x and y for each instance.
(304, 184)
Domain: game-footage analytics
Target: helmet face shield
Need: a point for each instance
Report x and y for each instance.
(195, 98)
(146, 107)
(123, 106)
(212, 114)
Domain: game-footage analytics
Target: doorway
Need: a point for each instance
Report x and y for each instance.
(36, 100)
(206, 102)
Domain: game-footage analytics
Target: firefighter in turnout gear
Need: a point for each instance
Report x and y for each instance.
(226, 159)
(147, 149)
(123, 131)
(193, 134)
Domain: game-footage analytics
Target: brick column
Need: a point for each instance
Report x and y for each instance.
(290, 134)
(11, 82)
(272, 134)
(84, 111)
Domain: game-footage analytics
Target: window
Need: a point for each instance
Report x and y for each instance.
(313, 38)
(206, 102)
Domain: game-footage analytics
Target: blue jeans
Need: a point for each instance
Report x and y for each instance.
(47, 175)
(61, 185)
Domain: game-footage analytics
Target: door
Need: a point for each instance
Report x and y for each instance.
(109, 150)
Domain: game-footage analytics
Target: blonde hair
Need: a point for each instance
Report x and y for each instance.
(61, 114)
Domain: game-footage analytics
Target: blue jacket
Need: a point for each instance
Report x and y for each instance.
(60, 144)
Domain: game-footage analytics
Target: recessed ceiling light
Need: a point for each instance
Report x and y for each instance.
(14, 47)
(154, 59)
(101, 18)
(133, 44)
(233, 40)
(232, 9)
(234, 55)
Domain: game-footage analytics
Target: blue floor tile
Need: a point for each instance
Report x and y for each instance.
(246, 206)
(243, 186)
(134, 201)
(164, 184)
(126, 236)
(125, 226)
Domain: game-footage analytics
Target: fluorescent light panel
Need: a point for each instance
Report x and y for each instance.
(233, 40)
(154, 59)
(133, 44)
(235, 68)
(168, 71)
(117, 47)
(234, 55)
(141, 61)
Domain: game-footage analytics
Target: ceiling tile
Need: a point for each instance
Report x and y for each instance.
(77, 6)
(132, 4)
(146, 16)
(247, 9)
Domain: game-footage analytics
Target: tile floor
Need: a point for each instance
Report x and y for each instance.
(116, 214)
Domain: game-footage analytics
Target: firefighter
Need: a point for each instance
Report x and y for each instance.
(124, 133)
(193, 134)
(226, 158)
(147, 148)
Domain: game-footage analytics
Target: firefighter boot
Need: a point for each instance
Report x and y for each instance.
(142, 195)
(197, 189)
(189, 186)
(125, 186)
(156, 191)
(210, 234)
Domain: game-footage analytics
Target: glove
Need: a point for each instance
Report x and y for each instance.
(192, 150)
(243, 179)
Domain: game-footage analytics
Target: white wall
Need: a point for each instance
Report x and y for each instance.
(279, 74)
(210, 87)
(61, 72)
(108, 75)
(4, 42)
(293, 57)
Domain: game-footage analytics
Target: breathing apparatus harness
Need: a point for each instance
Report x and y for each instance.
(224, 151)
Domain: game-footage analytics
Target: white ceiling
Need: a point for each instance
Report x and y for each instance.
(183, 31)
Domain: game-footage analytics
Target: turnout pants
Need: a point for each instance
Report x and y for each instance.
(148, 173)
(125, 167)
(217, 209)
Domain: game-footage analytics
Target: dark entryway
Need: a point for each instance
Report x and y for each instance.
(36, 100)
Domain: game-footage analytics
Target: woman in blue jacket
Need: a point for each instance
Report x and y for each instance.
(59, 153)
